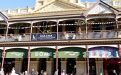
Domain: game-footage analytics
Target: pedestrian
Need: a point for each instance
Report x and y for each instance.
(41, 73)
(45, 73)
(36, 73)
(26, 73)
(63, 72)
(114, 72)
(33, 72)
(56, 72)
(1, 72)
(22, 73)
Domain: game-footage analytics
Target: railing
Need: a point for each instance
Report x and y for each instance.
(61, 36)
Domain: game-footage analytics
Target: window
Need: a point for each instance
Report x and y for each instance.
(118, 3)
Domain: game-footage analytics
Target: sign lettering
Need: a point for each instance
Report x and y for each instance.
(17, 53)
(43, 53)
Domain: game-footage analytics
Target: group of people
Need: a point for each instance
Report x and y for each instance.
(33, 72)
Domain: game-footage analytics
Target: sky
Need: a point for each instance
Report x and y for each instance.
(11, 4)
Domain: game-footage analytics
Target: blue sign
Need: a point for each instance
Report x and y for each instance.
(39, 37)
(103, 52)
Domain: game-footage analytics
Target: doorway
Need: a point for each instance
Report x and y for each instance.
(9, 63)
(92, 66)
(24, 64)
(110, 65)
(59, 66)
(71, 66)
(42, 64)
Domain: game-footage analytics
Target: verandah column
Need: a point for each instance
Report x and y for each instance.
(87, 52)
(3, 54)
(29, 50)
(57, 47)
(116, 25)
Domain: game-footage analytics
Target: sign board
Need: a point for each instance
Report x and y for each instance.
(17, 53)
(103, 52)
(72, 52)
(39, 37)
(43, 53)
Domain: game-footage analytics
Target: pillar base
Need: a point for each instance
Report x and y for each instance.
(63, 65)
(80, 67)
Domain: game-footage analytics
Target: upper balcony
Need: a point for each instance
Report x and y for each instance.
(64, 30)
(61, 36)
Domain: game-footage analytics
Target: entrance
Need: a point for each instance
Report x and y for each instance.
(71, 66)
(9, 63)
(24, 64)
(110, 65)
(92, 66)
(42, 64)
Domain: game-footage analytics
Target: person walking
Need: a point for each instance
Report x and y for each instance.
(63, 72)
(114, 72)
(42, 72)
(33, 72)
(36, 73)
(26, 73)
(56, 72)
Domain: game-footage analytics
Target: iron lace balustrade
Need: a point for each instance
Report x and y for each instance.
(61, 36)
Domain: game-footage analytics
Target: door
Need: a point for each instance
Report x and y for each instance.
(92, 66)
(111, 65)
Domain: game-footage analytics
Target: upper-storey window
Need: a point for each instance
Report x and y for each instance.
(96, 27)
(118, 3)
(109, 26)
(91, 4)
(21, 30)
(71, 28)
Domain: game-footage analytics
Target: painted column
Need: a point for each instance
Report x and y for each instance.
(34, 65)
(63, 65)
(80, 67)
(99, 66)
(49, 67)
(18, 66)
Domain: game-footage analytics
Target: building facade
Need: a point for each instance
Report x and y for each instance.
(78, 37)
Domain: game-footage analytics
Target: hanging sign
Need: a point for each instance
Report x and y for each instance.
(103, 52)
(38, 37)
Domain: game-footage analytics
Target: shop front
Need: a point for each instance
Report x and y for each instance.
(72, 65)
(45, 60)
(107, 60)
(12, 59)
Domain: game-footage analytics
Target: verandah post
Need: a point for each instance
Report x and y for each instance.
(87, 52)
(3, 54)
(29, 50)
(57, 47)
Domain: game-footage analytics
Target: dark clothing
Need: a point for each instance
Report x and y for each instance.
(33, 73)
(114, 73)
(42, 73)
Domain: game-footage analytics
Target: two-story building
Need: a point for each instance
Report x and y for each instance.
(78, 37)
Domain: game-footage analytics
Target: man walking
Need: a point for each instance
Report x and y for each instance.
(33, 72)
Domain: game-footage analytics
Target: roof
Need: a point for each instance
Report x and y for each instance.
(104, 4)
(65, 3)
(4, 17)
